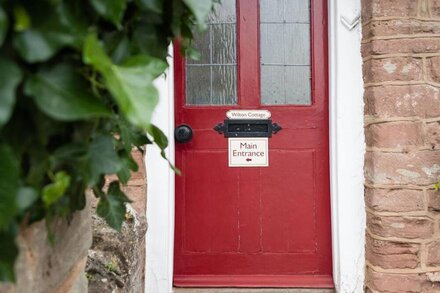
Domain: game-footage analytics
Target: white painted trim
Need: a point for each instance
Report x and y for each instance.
(346, 164)
(160, 191)
(347, 146)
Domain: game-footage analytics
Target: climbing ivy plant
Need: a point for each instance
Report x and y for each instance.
(76, 95)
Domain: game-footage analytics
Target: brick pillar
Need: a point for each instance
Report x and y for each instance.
(136, 188)
(401, 51)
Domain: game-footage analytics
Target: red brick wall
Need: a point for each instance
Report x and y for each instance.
(401, 51)
(136, 188)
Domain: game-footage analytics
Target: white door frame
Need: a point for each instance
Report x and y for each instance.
(346, 162)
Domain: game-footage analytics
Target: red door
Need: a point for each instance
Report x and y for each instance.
(255, 226)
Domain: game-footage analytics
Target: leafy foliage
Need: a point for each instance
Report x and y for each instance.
(109, 206)
(76, 96)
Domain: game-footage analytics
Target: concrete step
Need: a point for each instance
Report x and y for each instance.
(250, 290)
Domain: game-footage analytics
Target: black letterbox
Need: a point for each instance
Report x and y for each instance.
(247, 128)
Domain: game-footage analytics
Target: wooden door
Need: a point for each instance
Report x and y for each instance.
(260, 226)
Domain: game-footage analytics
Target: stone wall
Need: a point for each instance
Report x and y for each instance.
(401, 51)
(116, 261)
(57, 268)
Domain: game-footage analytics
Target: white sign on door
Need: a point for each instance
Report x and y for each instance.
(248, 114)
(248, 152)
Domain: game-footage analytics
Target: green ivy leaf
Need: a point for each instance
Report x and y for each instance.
(152, 5)
(131, 84)
(159, 137)
(145, 66)
(22, 19)
(146, 40)
(94, 54)
(161, 140)
(26, 196)
(124, 174)
(128, 165)
(110, 10)
(3, 25)
(134, 92)
(118, 47)
(111, 207)
(39, 165)
(71, 17)
(103, 157)
(34, 45)
(192, 53)
(8, 254)
(11, 76)
(9, 183)
(55, 190)
(131, 135)
(62, 94)
(200, 9)
(60, 28)
(68, 152)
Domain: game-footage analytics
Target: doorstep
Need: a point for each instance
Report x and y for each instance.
(249, 290)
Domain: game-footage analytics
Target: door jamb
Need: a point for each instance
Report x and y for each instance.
(346, 163)
(347, 145)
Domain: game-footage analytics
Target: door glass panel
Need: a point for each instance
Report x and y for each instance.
(212, 80)
(285, 52)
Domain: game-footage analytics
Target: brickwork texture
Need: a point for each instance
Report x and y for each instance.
(401, 56)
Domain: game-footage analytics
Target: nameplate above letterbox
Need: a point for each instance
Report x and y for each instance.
(248, 114)
(247, 128)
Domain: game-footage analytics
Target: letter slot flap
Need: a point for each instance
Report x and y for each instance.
(247, 128)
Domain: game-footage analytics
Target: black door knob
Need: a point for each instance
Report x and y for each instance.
(183, 133)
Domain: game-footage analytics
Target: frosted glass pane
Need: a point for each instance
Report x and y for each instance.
(297, 11)
(212, 80)
(297, 44)
(285, 11)
(198, 85)
(223, 85)
(223, 12)
(271, 10)
(271, 41)
(223, 42)
(285, 52)
(202, 44)
(297, 83)
(285, 85)
(272, 85)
